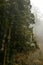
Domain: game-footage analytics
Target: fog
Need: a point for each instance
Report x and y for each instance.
(37, 9)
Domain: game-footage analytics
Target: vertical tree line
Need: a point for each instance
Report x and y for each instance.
(16, 33)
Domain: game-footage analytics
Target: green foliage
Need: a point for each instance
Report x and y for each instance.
(15, 29)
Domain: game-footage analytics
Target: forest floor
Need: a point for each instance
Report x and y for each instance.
(35, 58)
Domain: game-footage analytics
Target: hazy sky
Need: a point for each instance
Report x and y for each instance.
(37, 8)
(38, 4)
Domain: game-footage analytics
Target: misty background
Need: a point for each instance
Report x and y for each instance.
(37, 9)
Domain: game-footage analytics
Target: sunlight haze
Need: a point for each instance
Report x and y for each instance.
(37, 9)
(38, 4)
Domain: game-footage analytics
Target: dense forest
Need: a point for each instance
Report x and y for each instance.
(17, 40)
